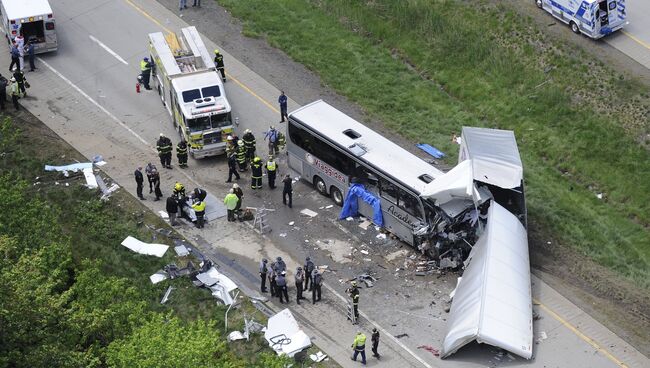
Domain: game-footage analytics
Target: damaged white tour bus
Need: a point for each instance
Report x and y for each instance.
(366, 173)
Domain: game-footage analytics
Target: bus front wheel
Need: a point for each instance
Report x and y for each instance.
(574, 27)
(539, 3)
(337, 196)
(320, 185)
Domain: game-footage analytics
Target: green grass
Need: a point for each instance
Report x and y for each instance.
(100, 290)
(427, 68)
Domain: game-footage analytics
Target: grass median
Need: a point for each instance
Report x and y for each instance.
(427, 68)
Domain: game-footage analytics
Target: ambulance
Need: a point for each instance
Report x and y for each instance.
(593, 18)
(32, 19)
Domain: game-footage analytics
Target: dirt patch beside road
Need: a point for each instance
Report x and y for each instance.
(615, 302)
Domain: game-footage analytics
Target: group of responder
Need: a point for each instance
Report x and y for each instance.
(17, 88)
(307, 278)
(164, 146)
(241, 153)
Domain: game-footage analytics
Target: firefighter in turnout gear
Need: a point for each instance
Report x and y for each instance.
(180, 197)
(164, 147)
(271, 170)
(256, 173)
(249, 143)
(241, 156)
(218, 61)
(353, 293)
(181, 153)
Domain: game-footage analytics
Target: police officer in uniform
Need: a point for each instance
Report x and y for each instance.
(300, 277)
(256, 173)
(271, 170)
(272, 276)
(309, 269)
(263, 271)
(281, 282)
(181, 153)
(316, 286)
(139, 180)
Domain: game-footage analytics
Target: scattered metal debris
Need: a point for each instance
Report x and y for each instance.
(308, 212)
(318, 357)
(166, 296)
(181, 250)
(401, 335)
(284, 335)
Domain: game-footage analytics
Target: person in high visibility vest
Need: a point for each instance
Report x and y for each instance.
(359, 346)
(14, 91)
(199, 210)
(181, 153)
(256, 173)
(271, 170)
(145, 72)
(230, 201)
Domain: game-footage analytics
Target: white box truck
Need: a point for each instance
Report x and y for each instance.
(593, 18)
(192, 91)
(33, 19)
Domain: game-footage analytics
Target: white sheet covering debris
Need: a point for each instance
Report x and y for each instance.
(284, 335)
(493, 301)
(158, 277)
(138, 246)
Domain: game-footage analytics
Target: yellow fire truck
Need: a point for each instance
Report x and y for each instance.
(192, 91)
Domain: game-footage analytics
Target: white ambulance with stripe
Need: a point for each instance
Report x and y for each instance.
(593, 18)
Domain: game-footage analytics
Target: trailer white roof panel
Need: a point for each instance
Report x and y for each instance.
(494, 154)
(380, 152)
(493, 301)
(17, 9)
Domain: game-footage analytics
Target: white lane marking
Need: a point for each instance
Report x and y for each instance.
(93, 101)
(108, 50)
(120, 122)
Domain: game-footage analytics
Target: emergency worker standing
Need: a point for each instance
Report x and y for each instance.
(181, 153)
(316, 287)
(241, 156)
(232, 168)
(256, 173)
(281, 283)
(353, 292)
(263, 271)
(199, 211)
(249, 143)
(218, 61)
(359, 346)
(300, 277)
(164, 147)
(309, 269)
(145, 72)
(139, 180)
(271, 170)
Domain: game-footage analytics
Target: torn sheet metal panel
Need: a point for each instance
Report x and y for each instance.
(138, 246)
(213, 276)
(91, 180)
(494, 154)
(72, 167)
(493, 302)
(220, 291)
(284, 335)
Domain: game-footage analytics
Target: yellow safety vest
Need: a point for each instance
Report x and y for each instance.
(144, 66)
(199, 207)
(359, 340)
(270, 165)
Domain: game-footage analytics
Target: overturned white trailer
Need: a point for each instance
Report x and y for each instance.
(492, 303)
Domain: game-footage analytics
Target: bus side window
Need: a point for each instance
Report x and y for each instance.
(409, 203)
(300, 138)
(388, 190)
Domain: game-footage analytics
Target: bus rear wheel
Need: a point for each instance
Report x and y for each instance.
(320, 185)
(539, 3)
(337, 196)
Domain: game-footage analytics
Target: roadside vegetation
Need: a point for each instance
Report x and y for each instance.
(426, 68)
(72, 296)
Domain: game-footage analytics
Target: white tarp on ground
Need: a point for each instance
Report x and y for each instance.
(493, 302)
(284, 335)
(138, 246)
(494, 154)
(214, 209)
